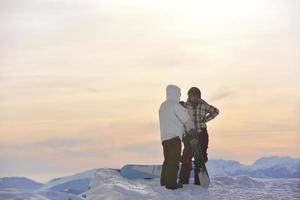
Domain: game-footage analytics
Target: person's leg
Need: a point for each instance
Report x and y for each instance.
(173, 153)
(163, 170)
(196, 171)
(186, 164)
(204, 139)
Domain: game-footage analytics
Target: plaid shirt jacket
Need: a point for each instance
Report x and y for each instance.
(201, 114)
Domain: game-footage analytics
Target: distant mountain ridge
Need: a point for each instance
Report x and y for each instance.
(266, 167)
(19, 183)
(75, 184)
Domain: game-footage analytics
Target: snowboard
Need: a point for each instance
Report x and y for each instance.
(154, 171)
(143, 171)
(199, 163)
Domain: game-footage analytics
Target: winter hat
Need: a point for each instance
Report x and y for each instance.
(194, 91)
(173, 90)
(173, 93)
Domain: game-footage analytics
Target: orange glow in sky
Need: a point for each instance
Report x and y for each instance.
(81, 81)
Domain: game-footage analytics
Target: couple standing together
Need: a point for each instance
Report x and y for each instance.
(176, 118)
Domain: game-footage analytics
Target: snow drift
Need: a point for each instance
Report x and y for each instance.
(108, 184)
(229, 180)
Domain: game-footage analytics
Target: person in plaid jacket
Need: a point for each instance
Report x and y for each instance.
(200, 112)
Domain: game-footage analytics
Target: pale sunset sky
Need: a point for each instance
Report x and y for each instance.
(81, 81)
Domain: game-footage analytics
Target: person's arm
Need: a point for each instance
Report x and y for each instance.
(212, 112)
(183, 116)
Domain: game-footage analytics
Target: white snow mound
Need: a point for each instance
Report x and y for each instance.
(108, 184)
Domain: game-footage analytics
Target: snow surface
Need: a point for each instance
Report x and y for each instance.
(108, 184)
(14, 194)
(230, 180)
(59, 181)
(63, 188)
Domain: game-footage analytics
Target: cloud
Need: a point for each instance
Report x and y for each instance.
(221, 95)
(82, 80)
(151, 127)
(57, 143)
(75, 147)
(147, 148)
(49, 143)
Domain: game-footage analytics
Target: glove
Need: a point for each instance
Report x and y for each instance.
(182, 103)
(190, 135)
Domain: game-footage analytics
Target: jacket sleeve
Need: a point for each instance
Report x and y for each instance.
(212, 112)
(184, 117)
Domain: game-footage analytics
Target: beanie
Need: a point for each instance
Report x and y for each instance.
(194, 91)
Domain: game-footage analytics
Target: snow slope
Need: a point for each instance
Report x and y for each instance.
(230, 180)
(64, 188)
(108, 184)
(74, 184)
(13, 194)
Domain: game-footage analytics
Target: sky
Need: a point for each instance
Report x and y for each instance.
(81, 81)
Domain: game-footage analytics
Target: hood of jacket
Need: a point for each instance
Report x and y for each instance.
(173, 93)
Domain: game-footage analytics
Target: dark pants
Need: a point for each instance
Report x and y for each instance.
(186, 158)
(172, 151)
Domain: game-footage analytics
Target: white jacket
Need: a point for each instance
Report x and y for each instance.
(173, 116)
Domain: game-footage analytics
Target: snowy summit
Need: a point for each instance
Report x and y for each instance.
(229, 180)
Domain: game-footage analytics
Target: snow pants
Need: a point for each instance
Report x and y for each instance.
(172, 154)
(186, 158)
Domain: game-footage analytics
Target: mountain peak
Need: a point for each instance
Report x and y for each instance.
(266, 162)
(19, 182)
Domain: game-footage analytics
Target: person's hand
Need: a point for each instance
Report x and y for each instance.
(190, 135)
(182, 103)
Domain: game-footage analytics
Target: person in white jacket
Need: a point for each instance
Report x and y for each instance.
(173, 119)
